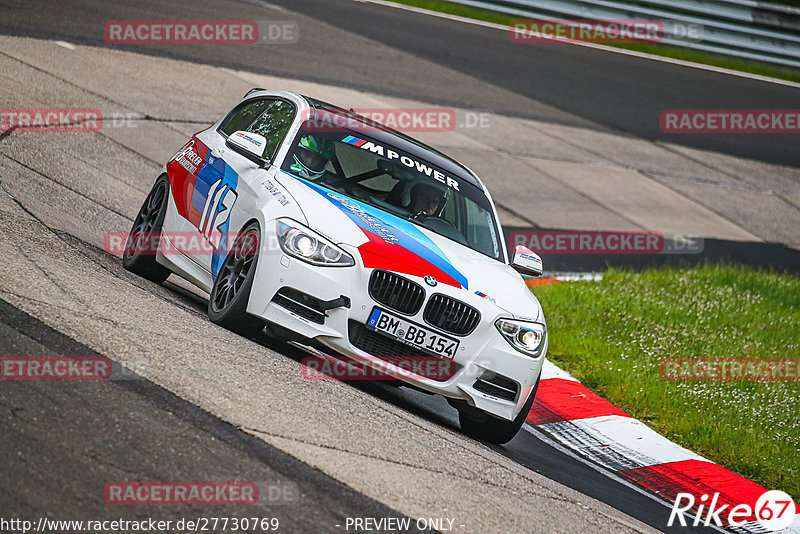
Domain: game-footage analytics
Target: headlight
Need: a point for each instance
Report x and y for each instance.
(528, 338)
(304, 244)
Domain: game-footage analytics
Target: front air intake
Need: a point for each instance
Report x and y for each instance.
(396, 292)
(451, 315)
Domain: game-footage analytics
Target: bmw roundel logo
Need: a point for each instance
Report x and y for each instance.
(431, 281)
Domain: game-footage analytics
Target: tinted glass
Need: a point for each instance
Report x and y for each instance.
(268, 117)
(402, 184)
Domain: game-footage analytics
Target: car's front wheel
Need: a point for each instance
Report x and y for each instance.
(492, 429)
(139, 256)
(227, 305)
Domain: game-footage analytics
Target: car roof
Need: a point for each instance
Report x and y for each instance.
(384, 134)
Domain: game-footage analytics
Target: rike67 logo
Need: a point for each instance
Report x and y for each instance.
(774, 510)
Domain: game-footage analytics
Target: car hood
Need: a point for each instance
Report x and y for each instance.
(385, 241)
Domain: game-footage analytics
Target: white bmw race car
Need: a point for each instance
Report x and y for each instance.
(343, 235)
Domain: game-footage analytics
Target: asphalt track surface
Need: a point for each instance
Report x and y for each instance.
(512, 81)
(67, 442)
(368, 46)
(132, 429)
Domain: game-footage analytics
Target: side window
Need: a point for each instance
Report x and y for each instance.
(273, 124)
(270, 118)
(244, 116)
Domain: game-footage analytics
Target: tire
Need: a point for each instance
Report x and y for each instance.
(137, 257)
(492, 429)
(227, 304)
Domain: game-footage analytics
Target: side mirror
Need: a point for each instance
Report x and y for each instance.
(249, 145)
(526, 261)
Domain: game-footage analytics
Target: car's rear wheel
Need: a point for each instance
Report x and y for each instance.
(492, 429)
(139, 256)
(227, 305)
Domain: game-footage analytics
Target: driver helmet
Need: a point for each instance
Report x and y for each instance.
(312, 156)
(426, 198)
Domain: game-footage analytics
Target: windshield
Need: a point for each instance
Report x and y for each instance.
(398, 183)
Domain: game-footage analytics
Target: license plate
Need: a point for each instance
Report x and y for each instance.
(412, 334)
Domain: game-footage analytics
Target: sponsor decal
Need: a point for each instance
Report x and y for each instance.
(393, 243)
(374, 224)
(534, 259)
(409, 162)
(188, 158)
(275, 192)
(250, 138)
(204, 190)
(730, 121)
(487, 297)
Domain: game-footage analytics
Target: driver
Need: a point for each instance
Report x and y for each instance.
(426, 199)
(312, 156)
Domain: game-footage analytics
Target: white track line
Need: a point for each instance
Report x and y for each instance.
(551, 370)
(618, 442)
(683, 63)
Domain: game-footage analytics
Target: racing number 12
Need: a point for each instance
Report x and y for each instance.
(217, 210)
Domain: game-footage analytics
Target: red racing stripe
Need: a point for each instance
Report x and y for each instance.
(565, 400)
(377, 254)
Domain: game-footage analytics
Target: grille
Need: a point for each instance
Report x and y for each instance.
(398, 354)
(396, 292)
(497, 386)
(300, 303)
(451, 315)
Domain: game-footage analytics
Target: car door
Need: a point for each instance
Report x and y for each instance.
(228, 188)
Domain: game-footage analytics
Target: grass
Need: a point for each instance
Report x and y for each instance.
(613, 334)
(675, 52)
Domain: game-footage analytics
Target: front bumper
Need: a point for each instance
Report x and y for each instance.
(483, 354)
